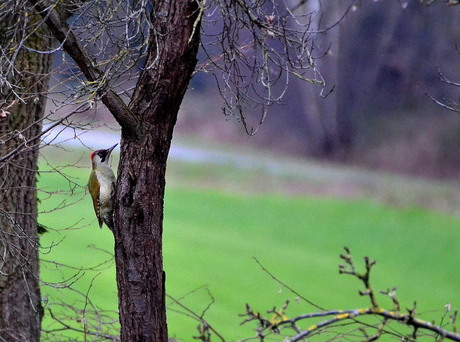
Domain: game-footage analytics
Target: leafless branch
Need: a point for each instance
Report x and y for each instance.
(449, 105)
(454, 107)
(204, 328)
(262, 41)
(272, 276)
(86, 63)
(279, 320)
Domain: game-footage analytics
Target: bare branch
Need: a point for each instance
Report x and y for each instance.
(87, 65)
(453, 108)
(272, 276)
(332, 318)
(254, 50)
(204, 328)
(349, 268)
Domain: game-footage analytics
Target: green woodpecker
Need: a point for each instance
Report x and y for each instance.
(101, 185)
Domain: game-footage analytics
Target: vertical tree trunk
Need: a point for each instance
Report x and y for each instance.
(20, 307)
(322, 113)
(328, 131)
(173, 47)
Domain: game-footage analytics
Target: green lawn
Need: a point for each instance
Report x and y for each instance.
(212, 235)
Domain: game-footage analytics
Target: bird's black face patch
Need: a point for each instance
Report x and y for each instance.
(103, 154)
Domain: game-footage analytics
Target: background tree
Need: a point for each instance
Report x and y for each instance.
(137, 58)
(147, 125)
(377, 102)
(23, 83)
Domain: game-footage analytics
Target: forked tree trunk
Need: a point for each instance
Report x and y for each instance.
(147, 128)
(141, 174)
(20, 306)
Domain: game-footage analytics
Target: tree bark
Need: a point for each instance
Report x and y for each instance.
(138, 206)
(20, 306)
(147, 128)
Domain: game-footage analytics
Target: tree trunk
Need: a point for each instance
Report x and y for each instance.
(138, 206)
(328, 132)
(20, 307)
(322, 113)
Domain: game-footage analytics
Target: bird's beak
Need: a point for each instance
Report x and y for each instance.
(109, 150)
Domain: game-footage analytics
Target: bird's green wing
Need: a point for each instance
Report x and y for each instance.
(93, 186)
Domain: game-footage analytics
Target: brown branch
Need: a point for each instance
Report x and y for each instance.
(285, 285)
(34, 139)
(279, 321)
(66, 326)
(340, 315)
(204, 328)
(64, 34)
(349, 268)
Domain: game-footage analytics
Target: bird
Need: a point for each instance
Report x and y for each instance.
(101, 186)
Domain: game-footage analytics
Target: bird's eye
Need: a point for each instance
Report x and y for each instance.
(102, 154)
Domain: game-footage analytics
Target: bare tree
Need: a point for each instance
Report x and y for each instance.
(347, 324)
(256, 51)
(137, 58)
(23, 83)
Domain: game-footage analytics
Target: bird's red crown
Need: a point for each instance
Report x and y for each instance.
(93, 154)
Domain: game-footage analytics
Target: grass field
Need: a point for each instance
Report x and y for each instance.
(215, 225)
